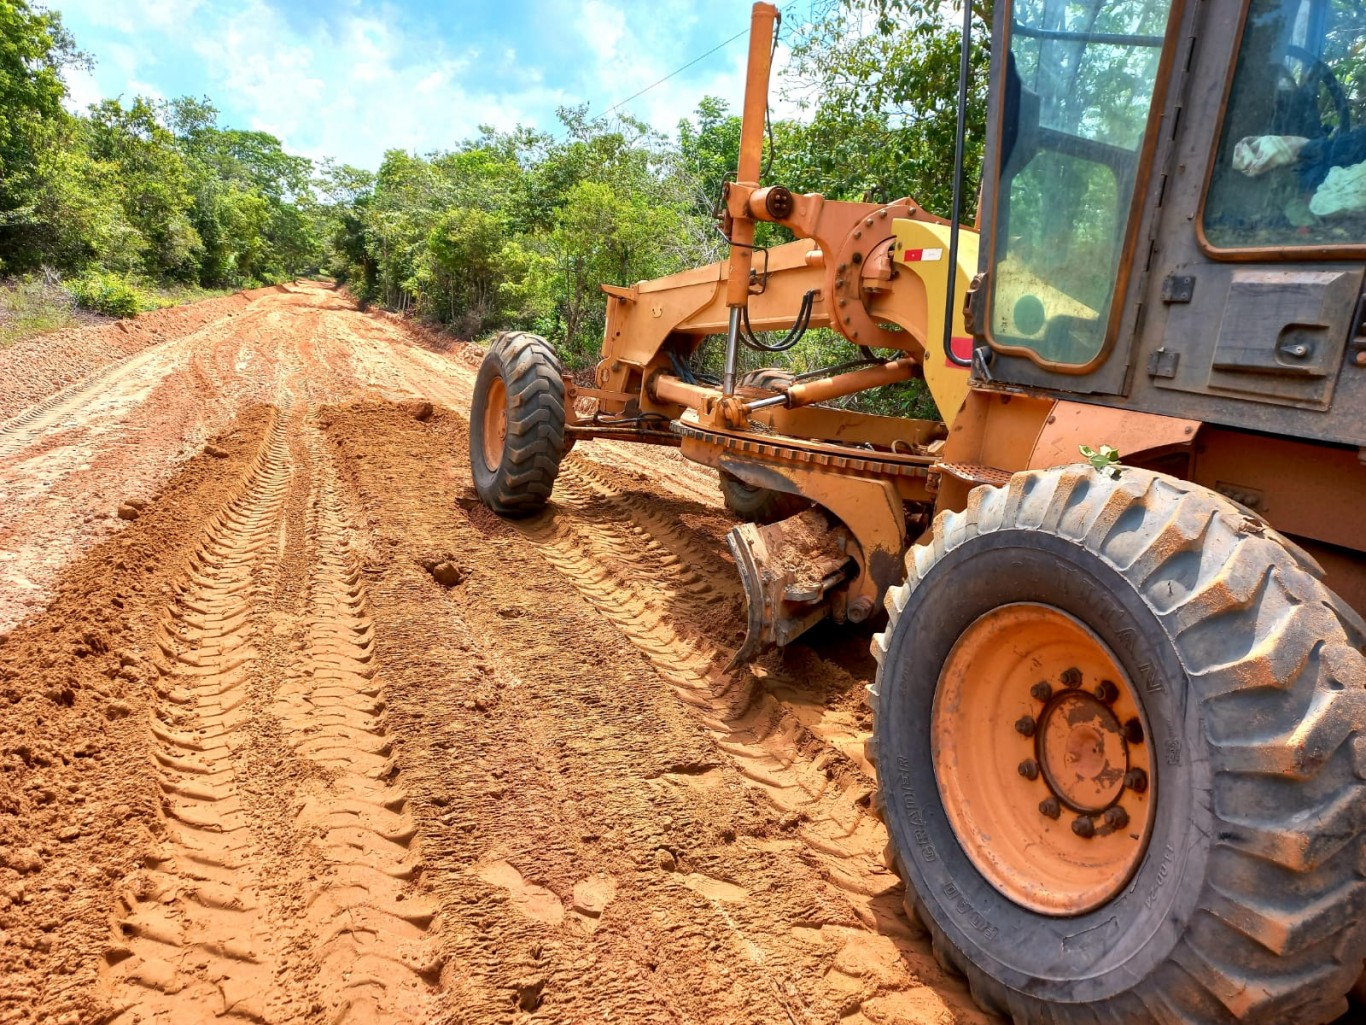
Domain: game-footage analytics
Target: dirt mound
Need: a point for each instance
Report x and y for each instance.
(78, 809)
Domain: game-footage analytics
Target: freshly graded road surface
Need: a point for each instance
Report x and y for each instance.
(293, 730)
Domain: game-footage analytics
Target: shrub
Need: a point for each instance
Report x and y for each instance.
(108, 294)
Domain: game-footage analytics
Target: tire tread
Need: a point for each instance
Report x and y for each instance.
(522, 484)
(1265, 643)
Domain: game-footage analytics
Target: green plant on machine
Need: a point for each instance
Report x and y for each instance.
(1104, 460)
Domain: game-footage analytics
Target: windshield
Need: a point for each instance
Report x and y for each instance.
(1290, 169)
(1079, 87)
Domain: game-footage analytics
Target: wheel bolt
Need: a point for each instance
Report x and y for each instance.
(1116, 817)
(1084, 827)
(1133, 731)
(1136, 780)
(1025, 725)
(1041, 691)
(1071, 677)
(1050, 807)
(1107, 692)
(1029, 769)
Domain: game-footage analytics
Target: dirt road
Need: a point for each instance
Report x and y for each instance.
(293, 730)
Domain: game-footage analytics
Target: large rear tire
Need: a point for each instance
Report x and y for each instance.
(517, 424)
(1228, 888)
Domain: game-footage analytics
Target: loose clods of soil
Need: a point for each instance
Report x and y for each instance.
(422, 411)
(445, 571)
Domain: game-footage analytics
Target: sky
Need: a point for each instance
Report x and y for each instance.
(349, 80)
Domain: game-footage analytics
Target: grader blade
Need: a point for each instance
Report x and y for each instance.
(788, 570)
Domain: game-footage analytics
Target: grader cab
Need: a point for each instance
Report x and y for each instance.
(1120, 712)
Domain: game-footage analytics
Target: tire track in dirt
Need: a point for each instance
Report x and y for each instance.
(377, 963)
(791, 676)
(597, 857)
(195, 942)
(633, 565)
(22, 430)
(670, 614)
(215, 927)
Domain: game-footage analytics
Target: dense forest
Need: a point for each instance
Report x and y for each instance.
(509, 229)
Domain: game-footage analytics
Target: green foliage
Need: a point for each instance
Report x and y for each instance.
(30, 306)
(102, 292)
(34, 48)
(1104, 460)
(519, 229)
(151, 190)
(880, 79)
(516, 229)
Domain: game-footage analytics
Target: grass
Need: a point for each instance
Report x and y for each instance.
(35, 305)
(159, 297)
(32, 307)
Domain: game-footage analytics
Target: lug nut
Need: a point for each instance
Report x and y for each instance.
(1116, 817)
(1071, 677)
(1050, 807)
(1029, 769)
(1084, 827)
(1041, 691)
(1136, 780)
(1025, 725)
(1133, 731)
(1107, 692)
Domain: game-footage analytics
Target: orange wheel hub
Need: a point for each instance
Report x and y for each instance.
(1039, 747)
(495, 423)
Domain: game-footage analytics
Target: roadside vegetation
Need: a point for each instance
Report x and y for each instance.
(131, 205)
(510, 229)
(517, 229)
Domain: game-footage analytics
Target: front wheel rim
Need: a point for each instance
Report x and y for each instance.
(1040, 752)
(495, 423)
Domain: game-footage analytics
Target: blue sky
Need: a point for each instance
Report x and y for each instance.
(349, 80)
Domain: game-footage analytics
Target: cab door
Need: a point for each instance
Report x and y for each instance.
(1258, 268)
(1074, 105)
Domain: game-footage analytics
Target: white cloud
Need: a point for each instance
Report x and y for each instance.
(602, 27)
(136, 88)
(363, 79)
(81, 89)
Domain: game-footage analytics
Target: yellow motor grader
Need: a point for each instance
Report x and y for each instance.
(1120, 711)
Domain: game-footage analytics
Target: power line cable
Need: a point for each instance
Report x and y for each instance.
(685, 67)
(674, 73)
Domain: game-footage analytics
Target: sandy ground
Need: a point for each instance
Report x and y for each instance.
(257, 763)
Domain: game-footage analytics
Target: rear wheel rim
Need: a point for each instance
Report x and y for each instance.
(495, 423)
(1040, 752)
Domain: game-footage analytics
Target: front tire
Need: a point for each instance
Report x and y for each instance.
(517, 423)
(1239, 896)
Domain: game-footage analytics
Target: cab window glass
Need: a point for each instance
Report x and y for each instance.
(1290, 169)
(1080, 79)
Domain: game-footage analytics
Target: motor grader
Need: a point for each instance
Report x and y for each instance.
(1120, 710)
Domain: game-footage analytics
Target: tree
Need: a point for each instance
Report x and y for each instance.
(880, 78)
(155, 183)
(34, 48)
